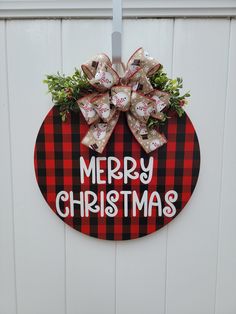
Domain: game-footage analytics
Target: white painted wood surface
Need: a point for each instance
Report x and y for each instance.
(187, 267)
(141, 264)
(90, 263)
(226, 283)
(7, 245)
(202, 59)
(39, 238)
(103, 8)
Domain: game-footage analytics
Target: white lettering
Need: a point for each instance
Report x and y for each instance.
(170, 197)
(91, 168)
(146, 176)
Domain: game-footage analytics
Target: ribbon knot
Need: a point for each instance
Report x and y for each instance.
(133, 94)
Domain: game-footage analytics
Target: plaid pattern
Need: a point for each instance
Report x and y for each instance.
(57, 152)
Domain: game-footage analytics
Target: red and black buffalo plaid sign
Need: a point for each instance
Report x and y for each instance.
(57, 152)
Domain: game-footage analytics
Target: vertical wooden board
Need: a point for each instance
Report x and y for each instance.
(200, 57)
(33, 49)
(155, 36)
(141, 263)
(90, 263)
(7, 267)
(226, 283)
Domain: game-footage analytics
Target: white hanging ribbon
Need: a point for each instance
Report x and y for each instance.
(117, 35)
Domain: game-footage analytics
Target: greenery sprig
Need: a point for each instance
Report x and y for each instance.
(65, 90)
(161, 81)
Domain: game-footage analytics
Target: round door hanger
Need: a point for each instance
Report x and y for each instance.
(123, 193)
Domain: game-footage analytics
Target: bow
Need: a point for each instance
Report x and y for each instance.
(132, 94)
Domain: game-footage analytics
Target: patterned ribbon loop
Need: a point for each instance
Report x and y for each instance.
(141, 58)
(132, 94)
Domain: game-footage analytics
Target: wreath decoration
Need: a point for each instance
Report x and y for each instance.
(145, 93)
(103, 175)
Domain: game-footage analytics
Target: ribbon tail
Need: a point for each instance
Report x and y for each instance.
(149, 139)
(99, 134)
